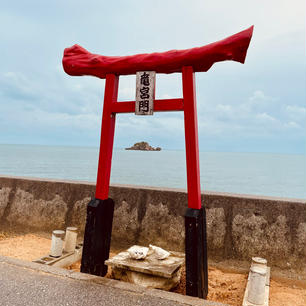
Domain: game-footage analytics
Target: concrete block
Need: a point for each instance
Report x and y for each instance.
(65, 260)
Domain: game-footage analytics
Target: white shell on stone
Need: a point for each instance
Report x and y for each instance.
(159, 252)
(137, 252)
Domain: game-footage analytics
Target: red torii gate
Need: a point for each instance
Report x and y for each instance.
(78, 61)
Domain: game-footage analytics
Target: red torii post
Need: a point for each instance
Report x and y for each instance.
(78, 61)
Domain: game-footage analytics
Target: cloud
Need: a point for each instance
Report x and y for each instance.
(265, 96)
(260, 114)
(259, 101)
(292, 125)
(295, 112)
(62, 95)
(265, 117)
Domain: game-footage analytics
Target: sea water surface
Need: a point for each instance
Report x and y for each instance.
(267, 174)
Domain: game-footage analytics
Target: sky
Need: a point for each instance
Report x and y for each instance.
(256, 107)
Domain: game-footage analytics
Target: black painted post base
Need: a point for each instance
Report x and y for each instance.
(97, 237)
(196, 253)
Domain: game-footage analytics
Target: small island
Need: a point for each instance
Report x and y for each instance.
(143, 146)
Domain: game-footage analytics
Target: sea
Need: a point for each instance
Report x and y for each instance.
(267, 174)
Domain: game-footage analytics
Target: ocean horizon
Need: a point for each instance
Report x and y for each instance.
(264, 174)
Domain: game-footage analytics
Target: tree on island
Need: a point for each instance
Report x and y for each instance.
(143, 146)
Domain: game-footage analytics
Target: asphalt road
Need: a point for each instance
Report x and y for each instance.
(25, 287)
(20, 284)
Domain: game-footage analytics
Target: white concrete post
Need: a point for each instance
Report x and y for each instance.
(259, 262)
(257, 282)
(57, 243)
(70, 239)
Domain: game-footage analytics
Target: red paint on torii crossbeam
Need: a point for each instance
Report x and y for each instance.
(78, 61)
(164, 105)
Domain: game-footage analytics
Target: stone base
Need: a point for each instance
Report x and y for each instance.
(146, 280)
(149, 272)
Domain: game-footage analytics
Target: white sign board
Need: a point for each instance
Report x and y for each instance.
(145, 92)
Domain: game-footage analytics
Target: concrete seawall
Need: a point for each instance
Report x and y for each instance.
(238, 226)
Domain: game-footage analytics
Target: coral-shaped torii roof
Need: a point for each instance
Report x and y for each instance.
(78, 61)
